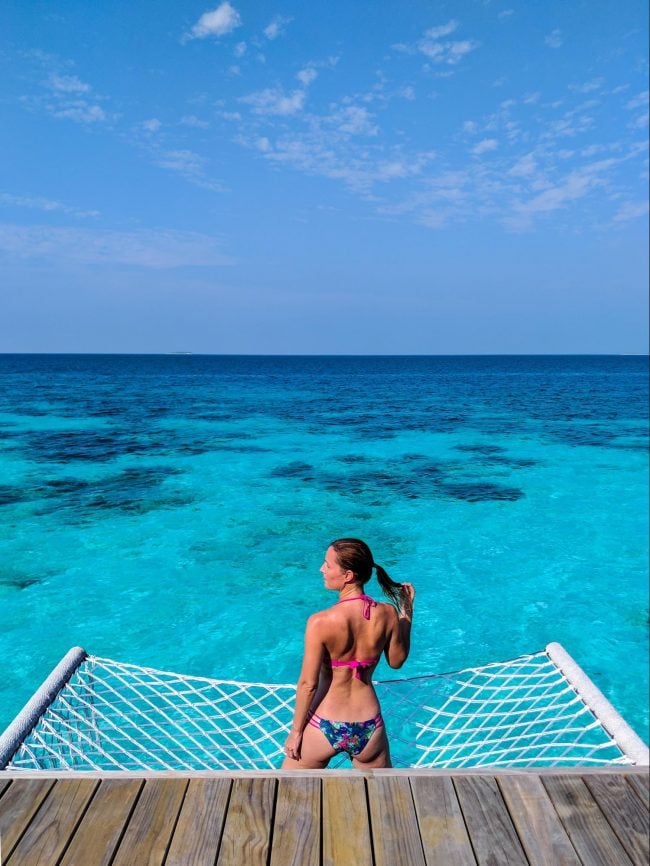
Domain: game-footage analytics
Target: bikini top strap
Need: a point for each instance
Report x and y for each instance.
(368, 602)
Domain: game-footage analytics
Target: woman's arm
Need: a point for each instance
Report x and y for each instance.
(399, 639)
(307, 684)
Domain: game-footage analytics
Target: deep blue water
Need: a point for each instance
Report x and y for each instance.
(173, 510)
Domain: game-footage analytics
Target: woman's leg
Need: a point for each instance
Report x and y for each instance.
(315, 752)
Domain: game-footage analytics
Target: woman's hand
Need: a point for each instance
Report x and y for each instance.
(292, 745)
(406, 598)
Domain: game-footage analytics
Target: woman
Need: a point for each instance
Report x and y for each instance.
(343, 645)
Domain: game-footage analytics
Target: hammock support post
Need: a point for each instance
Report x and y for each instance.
(28, 717)
(628, 741)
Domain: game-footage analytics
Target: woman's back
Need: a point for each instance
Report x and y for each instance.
(336, 706)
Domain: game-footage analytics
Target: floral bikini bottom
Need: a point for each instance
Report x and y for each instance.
(350, 737)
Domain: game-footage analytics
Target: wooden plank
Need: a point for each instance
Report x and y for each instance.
(490, 828)
(54, 824)
(296, 829)
(346, 828)
(247, 833)
(641, 786)
(540, 830)
(442, 828)
(198, 832)
(17, 808)
(102, 826)
(625, 813)
(4, 784)
(395, 833)
(588, 829)
(151, 826)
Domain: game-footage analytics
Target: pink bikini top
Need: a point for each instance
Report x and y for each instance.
(357, 664)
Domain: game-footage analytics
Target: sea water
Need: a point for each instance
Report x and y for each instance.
(173, 511)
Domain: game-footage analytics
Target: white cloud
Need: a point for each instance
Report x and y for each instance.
(442, 30)
(574, 186)
(353, 120)
(641, 121)
(437, 51)
(217, 22)
(631, 210)
(506, 13)
(554, 38)
(151, 125)
(276, 27)
(194, 121)
(240, 49)
(450, 53)
(190, 165)
(44, 204)
(638, 101)
(587, 86)
(275, 101)
(67, 84)
(80, 111)
(484, 146)
(182, 160)
(407, 93)
(158, 249)
(524, 167)
(307, 75)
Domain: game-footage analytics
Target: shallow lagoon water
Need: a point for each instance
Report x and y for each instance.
(173, 511)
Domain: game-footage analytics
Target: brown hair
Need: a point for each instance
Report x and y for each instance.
(355, 555)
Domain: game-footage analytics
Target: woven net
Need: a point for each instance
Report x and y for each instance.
(114, 716)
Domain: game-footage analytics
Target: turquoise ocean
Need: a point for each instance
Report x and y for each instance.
(173, 511)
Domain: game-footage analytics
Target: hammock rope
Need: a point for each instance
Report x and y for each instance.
(99, 714)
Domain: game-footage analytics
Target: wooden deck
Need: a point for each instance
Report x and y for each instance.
(382, 818)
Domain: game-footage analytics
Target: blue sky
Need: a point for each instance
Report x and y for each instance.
(324, 177)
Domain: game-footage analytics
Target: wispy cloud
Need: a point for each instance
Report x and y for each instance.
(44, 204)
(307, 75)
(217, 22)
(157, 249)
(68, 97)
(554, 39)
(485, 146)
(193, 121)
(631, 210)
(438, 50)
(587, 86)
(639, 101)
(67, 83)
(273, 100)
(276, 27)
(151, 125)
(192, 166)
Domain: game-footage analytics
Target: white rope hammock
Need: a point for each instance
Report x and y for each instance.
(97, 714)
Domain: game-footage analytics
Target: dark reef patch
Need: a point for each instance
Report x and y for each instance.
(414, 477)
(295, 469)
(481, 491)
(11, 495)
(135, 490)
(80, 445)
(18, 580)
(480, 449)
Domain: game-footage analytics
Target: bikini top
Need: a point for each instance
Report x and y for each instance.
(357, 664)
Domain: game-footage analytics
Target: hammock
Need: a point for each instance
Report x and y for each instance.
(97, 714)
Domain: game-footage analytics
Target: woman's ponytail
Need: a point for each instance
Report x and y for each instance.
(355, 555)
(389, 587)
